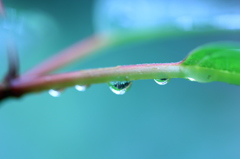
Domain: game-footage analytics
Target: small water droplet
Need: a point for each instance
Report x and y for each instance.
(55, 93)
(119, 87)
(81, 88)
(191, 79)
(162, 81)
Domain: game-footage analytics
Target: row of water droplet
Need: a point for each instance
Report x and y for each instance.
(57, 92)
(117, 87)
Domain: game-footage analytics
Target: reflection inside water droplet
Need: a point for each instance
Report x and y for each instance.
(80, 88)
(119, 87)
(55, 93)
(162, 81)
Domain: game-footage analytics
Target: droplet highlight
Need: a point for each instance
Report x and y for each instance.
(119, 87)
(162, 81)
(55, 93)
(191, 79)
(81, 88)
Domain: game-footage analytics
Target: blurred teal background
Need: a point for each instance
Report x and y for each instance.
(181, 120)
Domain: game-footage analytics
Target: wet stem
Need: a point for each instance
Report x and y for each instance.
(101, 75)
(38, 78)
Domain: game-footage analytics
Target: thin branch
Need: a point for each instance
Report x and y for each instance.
(93, 76)
(69, 55)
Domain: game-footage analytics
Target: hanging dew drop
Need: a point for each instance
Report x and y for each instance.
(81, 88)
(55, 93)
(162, 81)
(120, 87)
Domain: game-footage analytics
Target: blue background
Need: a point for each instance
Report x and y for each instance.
(182, 119)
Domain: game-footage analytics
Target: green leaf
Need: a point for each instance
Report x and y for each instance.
(214, 62)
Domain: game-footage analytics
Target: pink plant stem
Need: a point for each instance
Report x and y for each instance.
(102, 75)
(69, 55)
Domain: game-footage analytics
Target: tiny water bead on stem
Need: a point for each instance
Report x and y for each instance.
(81, 88)
(191, 79)
(55, 92)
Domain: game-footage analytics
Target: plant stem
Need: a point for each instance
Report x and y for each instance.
(102, 75)
(67, 56)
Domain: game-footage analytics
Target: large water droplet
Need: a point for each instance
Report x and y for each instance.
(81, 88)
(54, 92)
(119, 87)
(162, 81)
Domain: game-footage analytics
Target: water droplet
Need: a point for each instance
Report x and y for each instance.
(81, 88)
(162, 81)
(119, 87)
(191, 79)
(55, 93)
